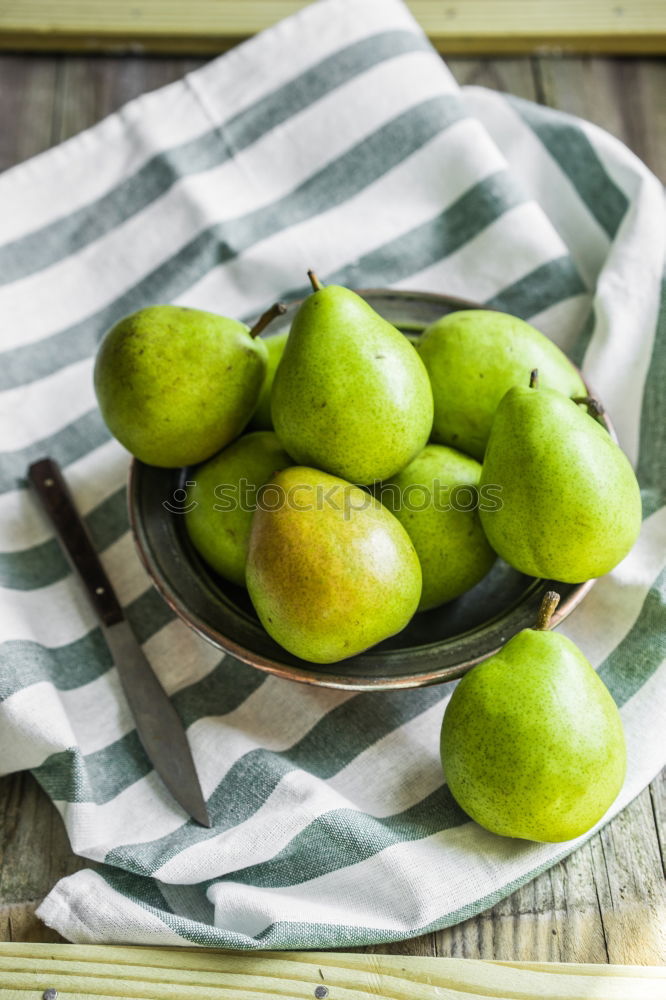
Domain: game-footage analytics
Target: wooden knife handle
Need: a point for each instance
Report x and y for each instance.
(48, 481)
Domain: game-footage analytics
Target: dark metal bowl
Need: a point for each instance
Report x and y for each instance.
(436, 646)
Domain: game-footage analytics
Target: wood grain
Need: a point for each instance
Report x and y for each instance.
(156, 973)
(27, 106)
(607, 901)
(459, 26)
(510, 76)
(34, 855)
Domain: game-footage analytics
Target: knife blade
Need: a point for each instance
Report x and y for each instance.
(157, 723)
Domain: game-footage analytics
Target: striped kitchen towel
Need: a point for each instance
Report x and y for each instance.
(336, 140)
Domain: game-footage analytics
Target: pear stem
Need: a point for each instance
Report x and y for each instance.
(546, 610)
(534, 378)
(279, 309)
(594, 407)
(315, 282)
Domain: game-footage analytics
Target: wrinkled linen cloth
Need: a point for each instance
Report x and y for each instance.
(342, 143)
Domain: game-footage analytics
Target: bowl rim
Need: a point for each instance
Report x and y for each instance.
(312, 675)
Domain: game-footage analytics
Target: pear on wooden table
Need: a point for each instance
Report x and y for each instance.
(532, 742)
(330, 571)
(570, 506)
(351, 395)
(436, 499)
(473, 358)
(175, 385)
(222, 499)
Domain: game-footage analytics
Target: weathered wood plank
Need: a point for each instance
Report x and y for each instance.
(34, 855)
(459, 26)
(511, 76)
(19, 923)
(84, 970)
(91, 88)
(631, 887)
(27, 94)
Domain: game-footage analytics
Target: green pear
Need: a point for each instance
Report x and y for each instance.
(222, 498)
(436, 499)
(473, 358)
(175, 385)
(330, 571)
(532, 741)
(261, 419)
(570, 506)
(351, 395)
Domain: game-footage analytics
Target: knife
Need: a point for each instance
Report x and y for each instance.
(157, 723)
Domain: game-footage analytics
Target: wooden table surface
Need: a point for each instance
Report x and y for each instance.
(605, 903)
(463, 27)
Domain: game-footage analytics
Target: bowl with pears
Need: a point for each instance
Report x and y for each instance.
(366, 490)
(385, 489)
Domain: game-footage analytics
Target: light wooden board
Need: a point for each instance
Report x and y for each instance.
(83, 971)
(455, 26)
(607, 901)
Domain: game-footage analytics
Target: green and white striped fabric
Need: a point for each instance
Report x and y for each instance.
(336, 140)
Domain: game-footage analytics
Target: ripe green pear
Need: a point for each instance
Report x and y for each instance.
(261, 419)
(473, 358)
(570, 504)
(436, 499)
(532, 742)
(223, 497)
(175, 385)
(330, 571)
(351, 395)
